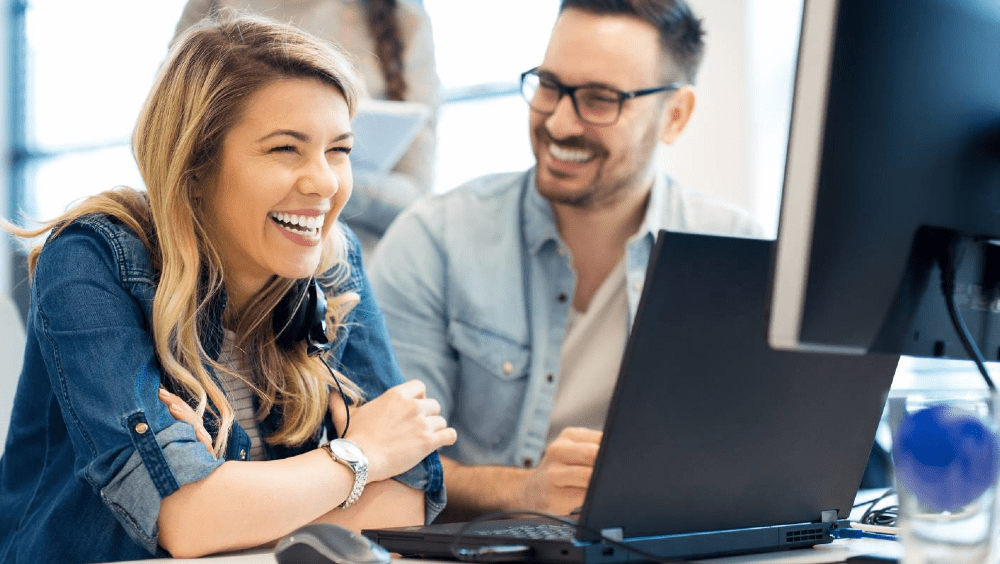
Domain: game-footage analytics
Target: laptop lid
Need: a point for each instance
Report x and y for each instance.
(711, 429)
(714, 443)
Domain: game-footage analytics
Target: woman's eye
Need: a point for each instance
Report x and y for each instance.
(283, 149)
(346, 150)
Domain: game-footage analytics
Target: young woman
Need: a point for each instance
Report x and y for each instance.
(392, 46)
(177, 381)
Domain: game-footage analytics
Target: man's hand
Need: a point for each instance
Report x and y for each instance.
(559, 483)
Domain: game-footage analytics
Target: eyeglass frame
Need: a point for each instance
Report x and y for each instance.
(623, 95)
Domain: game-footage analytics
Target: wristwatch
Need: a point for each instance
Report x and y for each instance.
(350, 455)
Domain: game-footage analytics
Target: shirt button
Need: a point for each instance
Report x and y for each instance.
(562, 298)
(550, 377)
(508, 368)
(637, 286)
(243, 454)
(527, 462)
(141, 428)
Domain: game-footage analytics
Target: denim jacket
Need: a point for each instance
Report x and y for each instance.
(476, 286)
(91, 450)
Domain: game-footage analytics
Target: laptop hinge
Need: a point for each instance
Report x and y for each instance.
(613, 533)
(828, 516)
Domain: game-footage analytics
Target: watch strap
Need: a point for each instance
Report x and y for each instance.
(360, 470)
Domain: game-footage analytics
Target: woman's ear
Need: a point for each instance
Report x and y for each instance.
(678, 113)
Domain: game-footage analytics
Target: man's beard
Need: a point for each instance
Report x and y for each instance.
(602, 191)
(582, 199)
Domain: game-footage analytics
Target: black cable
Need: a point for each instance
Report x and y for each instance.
(493, 553)
(948, 289)
(347, 408)
(883, 516)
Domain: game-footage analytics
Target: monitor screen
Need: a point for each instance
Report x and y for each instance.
(892, 172)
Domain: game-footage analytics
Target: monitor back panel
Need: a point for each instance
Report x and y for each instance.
(709, 428)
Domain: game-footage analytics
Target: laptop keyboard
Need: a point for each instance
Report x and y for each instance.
(533, 531)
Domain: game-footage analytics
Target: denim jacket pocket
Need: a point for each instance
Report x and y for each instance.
(493, 374)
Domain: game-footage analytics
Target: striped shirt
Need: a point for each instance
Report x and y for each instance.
(239, 394)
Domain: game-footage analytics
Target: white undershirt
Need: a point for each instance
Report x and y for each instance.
(591, 356)
(240, 395)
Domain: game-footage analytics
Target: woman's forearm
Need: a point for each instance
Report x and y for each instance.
(246, 504)
(383, 504)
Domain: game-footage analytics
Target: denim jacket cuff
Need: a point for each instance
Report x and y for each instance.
(176, 458)
(429, 477)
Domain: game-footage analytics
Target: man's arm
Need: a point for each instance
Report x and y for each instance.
(407, 274)
(557, 485)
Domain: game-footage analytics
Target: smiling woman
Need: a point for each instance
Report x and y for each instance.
(159, 397)
(288, 157)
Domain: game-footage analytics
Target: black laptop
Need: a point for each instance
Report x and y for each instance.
(714, 443)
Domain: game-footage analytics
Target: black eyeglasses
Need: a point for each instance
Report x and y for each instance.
(596, 105)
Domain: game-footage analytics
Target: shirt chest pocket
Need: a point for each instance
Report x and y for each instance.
(490, 392)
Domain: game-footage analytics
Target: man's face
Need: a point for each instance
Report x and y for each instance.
(588, 165)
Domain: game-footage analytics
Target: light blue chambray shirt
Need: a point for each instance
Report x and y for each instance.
(476, 285)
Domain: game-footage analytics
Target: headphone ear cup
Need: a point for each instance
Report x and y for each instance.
(289, 318)
(301, 316)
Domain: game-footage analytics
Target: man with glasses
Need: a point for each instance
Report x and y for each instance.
(511, 297)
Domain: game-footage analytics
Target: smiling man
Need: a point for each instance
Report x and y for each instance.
(511, 297)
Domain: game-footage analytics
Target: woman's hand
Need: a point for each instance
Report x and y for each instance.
(395, 430)
(183, 412)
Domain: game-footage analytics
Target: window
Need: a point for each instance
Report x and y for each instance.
(89, 65)
(88, 68)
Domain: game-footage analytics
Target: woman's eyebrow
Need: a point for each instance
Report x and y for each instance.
(289, 132)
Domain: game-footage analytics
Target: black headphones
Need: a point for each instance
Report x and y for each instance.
(301, 316)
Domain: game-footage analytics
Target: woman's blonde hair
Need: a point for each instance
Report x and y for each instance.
(197, 98)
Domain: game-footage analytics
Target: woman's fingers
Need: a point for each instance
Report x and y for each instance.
(429, 406)
(181, 411)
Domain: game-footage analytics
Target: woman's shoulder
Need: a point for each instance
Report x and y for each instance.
(100, 236)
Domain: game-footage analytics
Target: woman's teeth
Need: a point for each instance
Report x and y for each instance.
(308, 226)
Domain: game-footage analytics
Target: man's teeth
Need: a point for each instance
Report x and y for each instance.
(302, 224)
(571, 155)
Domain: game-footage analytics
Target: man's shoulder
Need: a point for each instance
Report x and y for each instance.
(692, 210)
(491, 193)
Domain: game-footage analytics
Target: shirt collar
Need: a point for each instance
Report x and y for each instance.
(538, 217)
(540, 222)
(655, 208)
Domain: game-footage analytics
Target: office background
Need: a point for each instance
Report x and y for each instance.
(74, 73)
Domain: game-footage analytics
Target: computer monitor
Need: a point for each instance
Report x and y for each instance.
(893, 170)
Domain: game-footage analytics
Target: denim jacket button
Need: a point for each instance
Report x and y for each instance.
(243, 454)
(141, 428)
(508, 368)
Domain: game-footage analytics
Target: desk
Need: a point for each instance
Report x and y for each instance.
(837, 551)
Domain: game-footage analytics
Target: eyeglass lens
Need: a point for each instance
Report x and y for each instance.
(593, 104)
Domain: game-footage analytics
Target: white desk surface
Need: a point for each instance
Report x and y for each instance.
(837, 551)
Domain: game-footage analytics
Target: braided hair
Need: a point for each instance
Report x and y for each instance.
(383, 23)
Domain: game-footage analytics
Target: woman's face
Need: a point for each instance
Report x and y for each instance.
(283, 178)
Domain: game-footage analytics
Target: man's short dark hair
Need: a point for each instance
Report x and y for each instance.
(680, 31)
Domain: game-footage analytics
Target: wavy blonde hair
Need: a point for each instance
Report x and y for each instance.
(197, 98)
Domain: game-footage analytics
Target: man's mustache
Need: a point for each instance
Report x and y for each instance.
(575, 142)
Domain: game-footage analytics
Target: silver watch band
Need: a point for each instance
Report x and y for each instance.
(360, 479)
(350, 455)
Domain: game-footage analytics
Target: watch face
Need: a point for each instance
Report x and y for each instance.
(346, 450)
